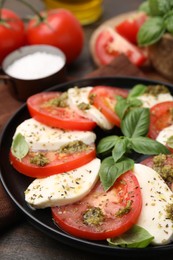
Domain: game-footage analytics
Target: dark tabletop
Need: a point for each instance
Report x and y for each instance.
(23, 240)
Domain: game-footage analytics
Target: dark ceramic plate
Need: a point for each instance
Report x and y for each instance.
(16, 183)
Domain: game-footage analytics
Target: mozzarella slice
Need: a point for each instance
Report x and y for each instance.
(156, 197)
(78, 97)
(151, 100)
(65, 188)
(164, 135)
(42, 137)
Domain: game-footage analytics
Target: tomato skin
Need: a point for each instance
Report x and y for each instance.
(160, 117)
(110, 44)
(69, 217)
(129, 28)
(60, 163)
(103, 97)
(63, 118)
(60, 29)
(12, 33)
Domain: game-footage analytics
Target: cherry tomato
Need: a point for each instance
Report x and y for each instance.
(101, 214)
(129, 27)
(160, 117)
(104, 98)
(57, 162)
(109, 44)
(41, 108)
(59, 28)
(12, 32)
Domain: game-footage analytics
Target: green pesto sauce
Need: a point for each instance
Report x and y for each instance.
(121, 212)
(156, 89)
(165, 170)
(93, 216)
(169, 211)
(74, 147)
(39, 159)
(60, 101)
(84, 106)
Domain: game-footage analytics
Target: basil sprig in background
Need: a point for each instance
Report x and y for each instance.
(160, 21)
(118, 149)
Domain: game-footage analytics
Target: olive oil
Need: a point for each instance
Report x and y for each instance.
(86, 11)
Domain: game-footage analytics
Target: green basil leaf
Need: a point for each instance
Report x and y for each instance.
(151, 31)
(121, 107)
(106, 143)
(144, 7)
(136, 122)
(136, 237)
(19, 147)
(159, 7)
(148, 146)
(137, 90)
(110, 171)
(168, 20)
(120, 148)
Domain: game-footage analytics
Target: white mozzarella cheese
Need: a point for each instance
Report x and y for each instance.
(151, 100)
(156, 196)
(79, 96)
(164, 134)
(63, 188)
(42, 137)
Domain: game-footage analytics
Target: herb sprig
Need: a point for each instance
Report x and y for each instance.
(134, 126)
(160, 21)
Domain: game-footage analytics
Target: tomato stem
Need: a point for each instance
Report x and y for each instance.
(32, 8)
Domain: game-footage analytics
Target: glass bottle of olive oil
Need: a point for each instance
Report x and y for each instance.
(86, 11)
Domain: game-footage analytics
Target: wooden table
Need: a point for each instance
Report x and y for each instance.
(22, 240)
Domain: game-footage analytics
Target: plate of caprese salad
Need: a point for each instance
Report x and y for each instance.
(89, 162)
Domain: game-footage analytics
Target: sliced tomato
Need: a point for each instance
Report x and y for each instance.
(129, 27)
(57, 162)
(101, 214)
(161, 116)
(104, 98)
(163, 164)
(109, 44)
(41, 108)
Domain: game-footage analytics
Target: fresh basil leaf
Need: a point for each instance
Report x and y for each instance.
(136, 122)
(134, 102)
(151, 31)
(106, 143)
(121, 107)
(137, 90)
(145, 145)
(19, 147)
(159, 7)
(136, 237)
(120, 148)
(144, 7)
(168, 20)
(110, 171)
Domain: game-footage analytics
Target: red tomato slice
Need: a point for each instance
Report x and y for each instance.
(164, 168)
(129, 27)
(73, 218)
(58, 162)
(161, 116)
(109, 44)
(55, 116)
(104, 98)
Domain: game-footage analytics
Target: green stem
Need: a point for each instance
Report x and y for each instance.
(2, 2)
(32, 8)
